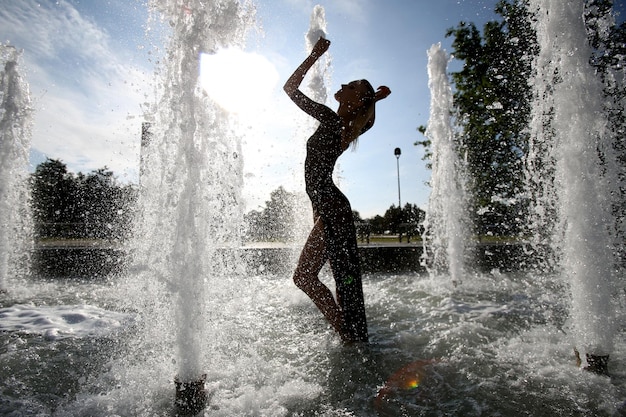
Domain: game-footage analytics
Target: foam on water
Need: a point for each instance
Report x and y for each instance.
(56, 322)
(499, 339)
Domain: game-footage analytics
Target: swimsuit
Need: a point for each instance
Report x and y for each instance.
(332, 206)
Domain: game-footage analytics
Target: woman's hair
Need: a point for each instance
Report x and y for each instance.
(365, 114)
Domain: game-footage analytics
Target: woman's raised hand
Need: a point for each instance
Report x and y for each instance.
(383, 92)
(320, 47)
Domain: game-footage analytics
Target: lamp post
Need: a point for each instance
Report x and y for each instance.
(397, 152)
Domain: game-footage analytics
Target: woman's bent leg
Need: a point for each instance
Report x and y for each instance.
(343, 254)
(305, 277)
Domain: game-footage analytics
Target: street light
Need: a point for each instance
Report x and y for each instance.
(397, 152)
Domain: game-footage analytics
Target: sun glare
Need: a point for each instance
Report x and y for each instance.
(238, 81)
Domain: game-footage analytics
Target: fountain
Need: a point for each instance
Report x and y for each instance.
(191, 178)
(319, 73)
(187, 316)
(444, 234)
(15, 119)
(579, 192)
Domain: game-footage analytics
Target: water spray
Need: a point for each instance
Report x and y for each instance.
(191, 184)
(573, 107)
(444, 232)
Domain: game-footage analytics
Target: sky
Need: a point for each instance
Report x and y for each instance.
(91, 67)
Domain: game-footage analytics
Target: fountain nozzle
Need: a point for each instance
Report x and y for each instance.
(191, 396)
(598, 364)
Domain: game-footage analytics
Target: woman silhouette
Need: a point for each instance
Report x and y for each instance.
(333, 236)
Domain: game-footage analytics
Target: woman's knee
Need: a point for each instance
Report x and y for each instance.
(303, 280)
(300, 280)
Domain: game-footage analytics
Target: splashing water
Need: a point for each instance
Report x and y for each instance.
(319, 72)
(15, 135)
(444, 235)
(317, 89)
(578, 134)
(191, 179)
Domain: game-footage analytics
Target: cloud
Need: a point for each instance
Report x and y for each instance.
(86, 94)
(53, 34)
(85, 140)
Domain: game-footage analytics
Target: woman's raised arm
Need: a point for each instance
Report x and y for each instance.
(292, 84)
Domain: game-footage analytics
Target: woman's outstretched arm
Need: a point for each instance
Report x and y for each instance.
(292, 84)
(317, 110)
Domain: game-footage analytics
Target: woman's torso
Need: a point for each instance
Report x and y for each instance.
(323, 150)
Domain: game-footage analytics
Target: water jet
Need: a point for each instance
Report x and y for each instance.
(15, 136)
(190, 194)
(583, 181)
(445, 234)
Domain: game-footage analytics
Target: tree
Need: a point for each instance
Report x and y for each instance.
(377, 224)
(274, 222)
(608, 42)
(52, 198)
(405, 221)
(408, 220)
(393, 219)
(492, 102)
(80, 206)
(426, 143)
(492, 99)
(414, 218)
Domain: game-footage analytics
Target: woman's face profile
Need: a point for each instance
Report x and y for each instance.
(352, 94)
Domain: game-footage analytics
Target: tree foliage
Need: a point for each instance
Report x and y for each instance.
(608, 41)
(407, 219)
(274, 222)
(492, 100)
(67, 205)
